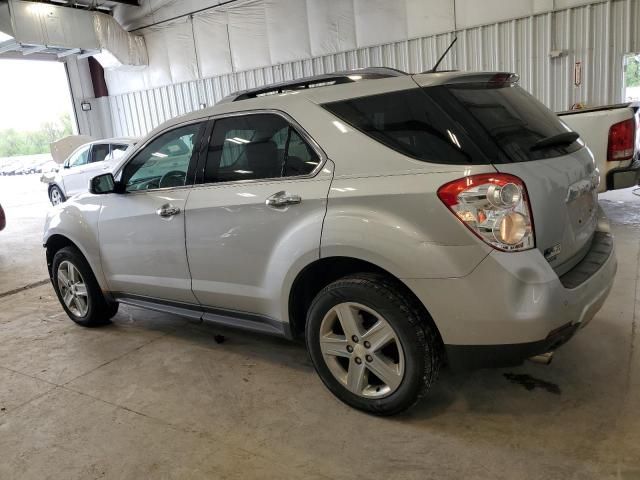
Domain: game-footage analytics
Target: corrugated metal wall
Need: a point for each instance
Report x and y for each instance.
(598, 35)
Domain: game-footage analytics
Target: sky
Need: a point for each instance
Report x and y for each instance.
(31, 93)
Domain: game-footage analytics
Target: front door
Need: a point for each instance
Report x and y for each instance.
(259, 210)
(142, 237)
(74, 176)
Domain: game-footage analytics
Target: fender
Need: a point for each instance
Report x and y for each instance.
(77, 220)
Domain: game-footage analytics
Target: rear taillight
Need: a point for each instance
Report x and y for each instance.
(494, 206)
(622, 139)
(3, 220)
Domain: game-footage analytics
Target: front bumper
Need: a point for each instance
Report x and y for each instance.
(514, 306)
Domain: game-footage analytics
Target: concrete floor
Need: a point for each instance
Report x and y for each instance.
(153, 396)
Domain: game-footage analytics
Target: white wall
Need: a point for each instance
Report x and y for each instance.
(201, 58)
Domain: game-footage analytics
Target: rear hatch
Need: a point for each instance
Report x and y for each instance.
(522, 137)
(487, 119)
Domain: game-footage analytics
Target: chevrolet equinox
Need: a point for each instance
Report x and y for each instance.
(396, 222)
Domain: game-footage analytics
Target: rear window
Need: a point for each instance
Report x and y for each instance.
(515, 120)
(457, 124)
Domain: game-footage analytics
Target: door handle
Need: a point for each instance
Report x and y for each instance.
(168, 210)
(282, 199)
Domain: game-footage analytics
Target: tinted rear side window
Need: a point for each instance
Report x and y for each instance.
(457, 124)
(409, 122)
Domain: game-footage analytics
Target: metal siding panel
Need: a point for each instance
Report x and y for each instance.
(597, 34)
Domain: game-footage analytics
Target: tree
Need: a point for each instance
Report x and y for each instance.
(632, 72)
(14, 143)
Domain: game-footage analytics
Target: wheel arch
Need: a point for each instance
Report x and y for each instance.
(320, 273)
(58, 241)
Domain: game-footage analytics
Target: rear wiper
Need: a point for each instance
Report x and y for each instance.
(564, 138)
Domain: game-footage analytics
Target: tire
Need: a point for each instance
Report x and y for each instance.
(56, 196)
(88, 310)
(413, 356)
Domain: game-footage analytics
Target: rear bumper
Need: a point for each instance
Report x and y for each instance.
(470, 357)
(514, 306)
(624, 177)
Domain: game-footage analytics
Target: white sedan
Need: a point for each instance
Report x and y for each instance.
(84, 163)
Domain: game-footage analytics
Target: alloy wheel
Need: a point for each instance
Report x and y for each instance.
(73, 289)
(362, 350)
(56, 196)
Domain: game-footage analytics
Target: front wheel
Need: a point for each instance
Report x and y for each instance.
(56, 196)
(371, 345)
(78, 289)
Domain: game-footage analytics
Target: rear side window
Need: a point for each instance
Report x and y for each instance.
(407, 121)
(257, 146)
(457, 124)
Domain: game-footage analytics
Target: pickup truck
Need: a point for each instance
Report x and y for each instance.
(610, 132)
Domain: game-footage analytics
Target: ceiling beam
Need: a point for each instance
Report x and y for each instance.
(8, 45)
(66, 53)
(36, 49)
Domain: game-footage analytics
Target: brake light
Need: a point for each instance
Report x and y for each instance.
(622, 138)
(495, 207)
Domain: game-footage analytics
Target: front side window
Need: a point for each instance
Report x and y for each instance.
(164, 162)
(257, 146)
(81, 157)
(100, 152)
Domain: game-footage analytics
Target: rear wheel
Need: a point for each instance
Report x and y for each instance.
(78, 289)
(371, 345)
(56, 196)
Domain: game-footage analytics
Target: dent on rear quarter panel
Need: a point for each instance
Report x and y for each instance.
(398, 223)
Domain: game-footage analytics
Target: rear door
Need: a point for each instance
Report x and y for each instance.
(559, 175)
(258, 211)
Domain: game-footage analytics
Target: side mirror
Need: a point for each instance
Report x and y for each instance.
(66, 165)
(102, 184)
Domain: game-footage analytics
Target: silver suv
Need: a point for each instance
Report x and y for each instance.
(396, 222)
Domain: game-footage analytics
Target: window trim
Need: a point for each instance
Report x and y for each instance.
(322, 156)
(197, 150)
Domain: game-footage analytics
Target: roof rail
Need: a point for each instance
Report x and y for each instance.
(336, 78)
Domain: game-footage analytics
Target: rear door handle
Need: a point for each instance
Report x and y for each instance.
(168, 210)
(283, 199)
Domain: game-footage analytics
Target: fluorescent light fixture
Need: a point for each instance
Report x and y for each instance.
(243, 172)
(159, 155)
(246, 194)
(355, 77)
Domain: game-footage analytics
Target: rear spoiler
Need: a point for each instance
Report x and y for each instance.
(459, 78)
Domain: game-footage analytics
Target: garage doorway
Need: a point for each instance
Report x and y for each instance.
(632, 77)
(36, 110)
